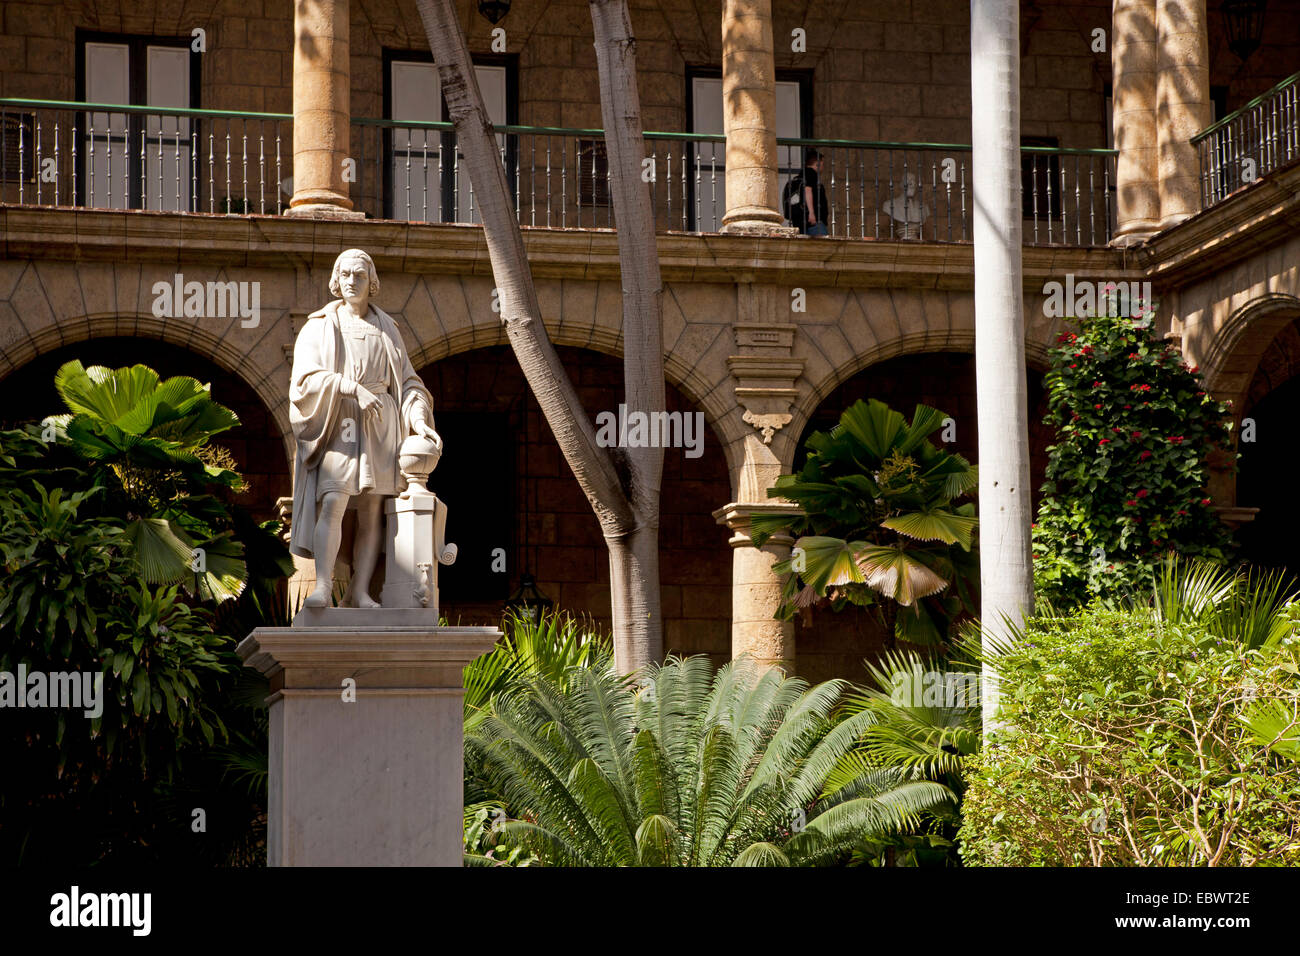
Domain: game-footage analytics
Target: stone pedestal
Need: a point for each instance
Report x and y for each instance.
(414, 548)
(366, 743)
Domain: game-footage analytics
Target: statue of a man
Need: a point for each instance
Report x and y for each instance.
(353, 398)
(908, 210)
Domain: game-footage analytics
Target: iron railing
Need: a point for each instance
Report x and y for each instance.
(143, 157)
(97, 155)
(1250, 142)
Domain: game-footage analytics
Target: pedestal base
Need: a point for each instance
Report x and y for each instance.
(366, 749)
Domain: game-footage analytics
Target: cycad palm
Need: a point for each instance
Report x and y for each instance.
(688, 769)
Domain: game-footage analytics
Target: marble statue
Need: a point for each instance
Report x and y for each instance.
(907, 210)
(363, 424)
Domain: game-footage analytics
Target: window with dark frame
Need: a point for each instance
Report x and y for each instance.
(436, 182)
(593, 173)
(135, 70)
(16, 159)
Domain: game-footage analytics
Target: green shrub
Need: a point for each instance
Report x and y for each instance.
(1128, 742)
(1126, 478)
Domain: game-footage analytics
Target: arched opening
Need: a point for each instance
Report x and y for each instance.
(834, 644)
(510, 494)
(1265, 470)
(28, 394)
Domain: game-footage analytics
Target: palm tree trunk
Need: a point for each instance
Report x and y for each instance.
(625, 500)
(643, 345)
(1006, 574)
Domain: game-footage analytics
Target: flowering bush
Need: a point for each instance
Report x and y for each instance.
(1126, 478)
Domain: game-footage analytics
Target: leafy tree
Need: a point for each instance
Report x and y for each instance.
(183, 723)
(689, 768)
(880, 524)
(1126, 478)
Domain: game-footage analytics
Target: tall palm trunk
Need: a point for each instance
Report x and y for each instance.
(1006, 575)
(634, 562)
(623, 493)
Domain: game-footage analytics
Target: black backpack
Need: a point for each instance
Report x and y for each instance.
(792, 200)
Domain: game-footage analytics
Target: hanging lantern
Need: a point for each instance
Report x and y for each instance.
(528, 600)
(494, 10)
(1244, 20)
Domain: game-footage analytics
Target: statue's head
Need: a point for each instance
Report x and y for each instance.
(909, 185)
(354, 263)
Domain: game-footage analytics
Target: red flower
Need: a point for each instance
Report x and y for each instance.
(1194, 369)
(1136, 435)
(1130, 503)
(1134, 355)
(1181, 512)
(1096, 384)
(1128, 406)
(1096, 406)
(1072, 365)
(1176, 439)
(1205, 501)
(1143, 493)
(1144, 456)
(1104, 441)
(1117, 430)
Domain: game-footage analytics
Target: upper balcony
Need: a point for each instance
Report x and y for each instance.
(113, 156)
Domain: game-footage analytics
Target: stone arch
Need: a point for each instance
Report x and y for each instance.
(585, 314)
(270, 387)
(544, 523)
(954, 340)
(1235, 352)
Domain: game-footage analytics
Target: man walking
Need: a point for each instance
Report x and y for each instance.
(805, 198)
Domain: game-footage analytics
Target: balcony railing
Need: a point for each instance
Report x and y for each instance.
(107, 156)
(1249, 143)
(111, 156)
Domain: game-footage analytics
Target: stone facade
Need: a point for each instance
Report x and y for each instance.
(765, 335)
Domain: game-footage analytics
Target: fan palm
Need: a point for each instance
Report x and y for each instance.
(152, 435)
(687, 768)
(879, 523)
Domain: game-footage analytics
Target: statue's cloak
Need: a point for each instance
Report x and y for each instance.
(314, 402)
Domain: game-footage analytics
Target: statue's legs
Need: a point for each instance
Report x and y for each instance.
(325, 546)
(370, 525)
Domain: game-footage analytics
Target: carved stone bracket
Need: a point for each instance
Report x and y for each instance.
(764, 370)
(767, 424)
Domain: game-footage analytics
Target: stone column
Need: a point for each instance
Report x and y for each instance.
(321, 85)
(366, 750)
(1183, 106)
(1133, 64)
(749, 119)
(756, 590)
